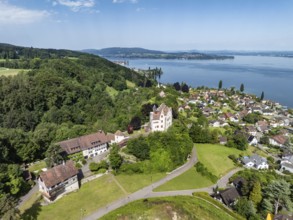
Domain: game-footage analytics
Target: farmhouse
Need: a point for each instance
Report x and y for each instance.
(90, 145)
(161, 118)
(58, 180)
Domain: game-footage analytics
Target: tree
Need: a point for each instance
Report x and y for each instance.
(135, 123)
(245, 207)
(278, 193)
(139, 148)
(8, 208)
(220, 84)
(241, 87)
(53, 156)
(177, 86)
(185, 88)
(262, 96)
(255, 195)
(115, 158)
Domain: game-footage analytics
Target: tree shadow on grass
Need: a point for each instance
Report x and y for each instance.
(33, 212)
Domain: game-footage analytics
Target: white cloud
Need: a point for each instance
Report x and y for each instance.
(75, 5)
(121, 1)
(11, 14)
(139, 9)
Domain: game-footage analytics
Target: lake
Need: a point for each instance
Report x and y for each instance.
(273, 75)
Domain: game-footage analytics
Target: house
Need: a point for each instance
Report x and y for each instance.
(255, 161)
(58, 180)
(287, 164)
(161, 118)
(228, 196)
(118, 138)
(215, 123)
(223, 140)
(90, 145)
(278, 140)
(252, 140)
(238, 183)
(162, 94)
(251, 130)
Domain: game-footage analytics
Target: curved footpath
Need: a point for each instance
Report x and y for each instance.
(147, 192)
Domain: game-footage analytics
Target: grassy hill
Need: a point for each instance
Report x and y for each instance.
(179, 207)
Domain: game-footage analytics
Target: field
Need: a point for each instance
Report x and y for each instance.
(132, 183)
(179, 207)
(37, 166)
(9, 72)
(215, 157)
(88, 198)
(188, 180)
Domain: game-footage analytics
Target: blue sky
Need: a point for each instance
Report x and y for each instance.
(152, 24)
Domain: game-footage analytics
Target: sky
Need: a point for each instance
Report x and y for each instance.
(151, 24)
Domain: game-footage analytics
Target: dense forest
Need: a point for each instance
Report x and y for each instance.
(62, 95)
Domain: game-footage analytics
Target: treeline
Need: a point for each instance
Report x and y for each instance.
(8, 51)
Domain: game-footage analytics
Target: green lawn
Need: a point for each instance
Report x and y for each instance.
(132, 183)
(89, 197)
(29, 203)
(112, 92)
(10, 72)
(37, 166)
(215, 157)
(188, 180)
(165, 208)
(130, 84)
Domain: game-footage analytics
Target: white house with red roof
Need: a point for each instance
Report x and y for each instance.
(161, 118)
(90, 145)
(58, 180)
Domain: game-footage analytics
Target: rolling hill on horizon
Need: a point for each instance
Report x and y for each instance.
(137, 52)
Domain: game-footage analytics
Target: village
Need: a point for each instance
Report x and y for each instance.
(266, 126)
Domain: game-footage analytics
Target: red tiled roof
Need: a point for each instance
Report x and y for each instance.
(162, 109)
(84, 142)
(58, 174)
(280, 139)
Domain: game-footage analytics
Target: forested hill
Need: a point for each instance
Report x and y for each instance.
(129, 53)
(61, 98)
(8, 51)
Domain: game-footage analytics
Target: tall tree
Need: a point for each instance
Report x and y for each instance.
(115, 158)
(245, 208)
(262, 95)
(53, 156)
(185, 88)
(278, 193)
(220, 84)
(255, 195)
(241, 87)
(177, 86)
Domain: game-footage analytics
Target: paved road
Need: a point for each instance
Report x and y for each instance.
(145, 192)
(86, 170)
(29, 194)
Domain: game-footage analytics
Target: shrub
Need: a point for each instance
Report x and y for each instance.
(200, 168)
(94, 166)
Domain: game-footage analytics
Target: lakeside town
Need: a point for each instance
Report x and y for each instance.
(263, 124)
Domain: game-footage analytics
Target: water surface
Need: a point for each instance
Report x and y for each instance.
(273, 75)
